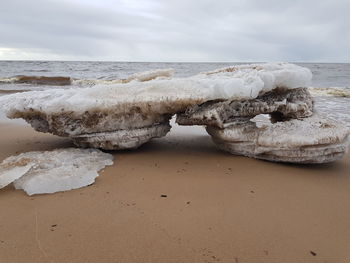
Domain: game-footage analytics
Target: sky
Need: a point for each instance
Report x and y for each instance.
(176, 30)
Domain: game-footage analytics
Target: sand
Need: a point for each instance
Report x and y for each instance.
(179, 199)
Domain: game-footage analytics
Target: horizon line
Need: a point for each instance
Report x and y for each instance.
(123, 61)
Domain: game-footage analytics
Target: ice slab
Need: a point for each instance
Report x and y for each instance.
(53, 171)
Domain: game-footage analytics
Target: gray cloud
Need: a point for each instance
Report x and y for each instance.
(167, 30)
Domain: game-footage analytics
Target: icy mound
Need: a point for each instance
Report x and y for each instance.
(53, 171)
(143, 101)
(126, 114)
(310, 140)
(292, 133)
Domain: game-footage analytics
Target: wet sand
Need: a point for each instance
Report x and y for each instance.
(179, 199)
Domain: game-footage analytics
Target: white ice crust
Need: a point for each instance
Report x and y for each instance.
(238, 82)
(53, 171)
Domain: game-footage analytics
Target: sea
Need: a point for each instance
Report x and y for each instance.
(330, 86)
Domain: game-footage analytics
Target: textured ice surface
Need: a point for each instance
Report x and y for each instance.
(121, 139)
(286, 104)
(310, 140)
(53, 171)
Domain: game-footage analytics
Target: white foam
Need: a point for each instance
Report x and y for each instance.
(332, 91)
(140, 77)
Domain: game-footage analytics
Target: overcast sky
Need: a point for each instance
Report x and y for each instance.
(176, 30)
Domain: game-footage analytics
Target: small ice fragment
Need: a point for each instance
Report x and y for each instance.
(53, 171)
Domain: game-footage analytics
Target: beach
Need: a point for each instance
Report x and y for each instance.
(174, 131)
(179, 199)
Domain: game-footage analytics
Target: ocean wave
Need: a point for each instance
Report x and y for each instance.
(333, 91)
(37, 80)
(67, 81)
(38, 70)
(140, 76)
(93, 82)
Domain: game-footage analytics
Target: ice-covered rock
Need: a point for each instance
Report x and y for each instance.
(143, 101)
(53, 171)
(282, 103)
(309, 140)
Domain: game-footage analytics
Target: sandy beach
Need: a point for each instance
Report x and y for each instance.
(179, 199)
(147, 109)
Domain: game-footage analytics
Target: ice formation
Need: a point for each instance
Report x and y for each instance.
(53, 171)
(129, 112)
(310, 140)
(142, 102)
(294, 134)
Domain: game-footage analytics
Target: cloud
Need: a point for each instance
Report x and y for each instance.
(197, 30)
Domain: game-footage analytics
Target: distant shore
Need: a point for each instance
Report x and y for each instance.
(179, 199)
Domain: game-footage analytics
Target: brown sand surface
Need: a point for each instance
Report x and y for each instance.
(218, 208)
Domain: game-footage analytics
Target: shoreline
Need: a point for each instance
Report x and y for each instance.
(179, 199)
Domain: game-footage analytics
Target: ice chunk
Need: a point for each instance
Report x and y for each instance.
(311, 140)
(53, 171)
